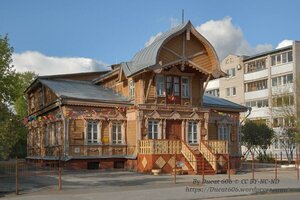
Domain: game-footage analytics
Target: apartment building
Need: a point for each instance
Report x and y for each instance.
(266, 82)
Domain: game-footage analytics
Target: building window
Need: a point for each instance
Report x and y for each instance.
(215, 92)
(223, 132)
(152, 129)
(176, 86)
(160, 86)
(286, 100)
(117, 133)
(46, 135)
(192, 133)
(131, 89)
(92, 132)
(169, 85)
(282, 80)
(258, 103)
(255, 66)
(32, 101)
(276, 144)
(231, 72)
(59, 133)
(282, 58)
(230, 91)
(52, 134)
(185, 87)
(257, 85)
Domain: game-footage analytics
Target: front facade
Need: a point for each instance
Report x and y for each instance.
(145, 114)
(268, 82)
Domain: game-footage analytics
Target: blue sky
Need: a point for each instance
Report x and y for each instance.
(106, 32)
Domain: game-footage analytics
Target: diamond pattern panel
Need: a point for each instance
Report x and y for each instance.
(160, 162)
(144, 162)
(221, 161)
(171, 162)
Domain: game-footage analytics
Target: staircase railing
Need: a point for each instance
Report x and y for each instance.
(217, 146)
(189, 155)
(208, 155)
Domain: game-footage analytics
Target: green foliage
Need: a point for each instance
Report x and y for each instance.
(257, 136)
(13, 105)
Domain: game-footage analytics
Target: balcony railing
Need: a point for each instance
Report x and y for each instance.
(159, 146)
(217, 146)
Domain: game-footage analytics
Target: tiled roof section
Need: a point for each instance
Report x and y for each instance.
(83, 90)
(216, 102)
(147, 56)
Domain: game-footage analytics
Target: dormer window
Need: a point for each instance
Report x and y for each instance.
(185, 87)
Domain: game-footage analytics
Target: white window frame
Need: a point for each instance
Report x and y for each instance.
(231, 72)
(52, 134)
(131, 89)
(185, 87)
(96, 132)
(58, 135)
(192, 132)
(160, 86)
(151, 129)
(224, 132)
(46, 135)
(230, 91)
(118, 133)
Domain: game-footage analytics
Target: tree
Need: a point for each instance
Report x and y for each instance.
(257, 137)
(13, 105)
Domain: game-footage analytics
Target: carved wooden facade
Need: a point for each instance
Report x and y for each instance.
(140, 113)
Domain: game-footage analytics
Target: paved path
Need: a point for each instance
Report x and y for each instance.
(130, 185)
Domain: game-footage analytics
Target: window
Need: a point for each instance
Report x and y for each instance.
(231, 72)
(278, 122)
(256, 65)
(169, 85)
(282, 80)
(230, 91)
(276, 145)
(52, 134)
(92, 132)
(117, 133)
(160, 86)
(257, 85)
(192, 133)
(185, 87)
(46, 135)
(223, 132)
(59, 133)
(131, 89)
(176, 86)
(215, 92)
(282, 58)
(153, 129)
(287, 100)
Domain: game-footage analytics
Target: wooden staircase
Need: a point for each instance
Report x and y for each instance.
(196, 160)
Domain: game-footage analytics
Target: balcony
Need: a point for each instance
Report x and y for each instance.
(282, 69)
(283, 89)
(256, 75)
(262, 112)
(217, 146)
(257, 94)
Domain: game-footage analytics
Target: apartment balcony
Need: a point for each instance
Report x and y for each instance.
(282, 69)
(256, 75)
(283, 89)
(262, 112)
(256, 94)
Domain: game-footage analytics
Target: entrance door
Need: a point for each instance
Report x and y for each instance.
(173, 130)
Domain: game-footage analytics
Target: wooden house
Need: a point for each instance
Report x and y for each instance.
(144, 114)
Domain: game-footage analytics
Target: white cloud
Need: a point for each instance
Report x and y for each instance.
(227, 38)
(152, 38)
(284, 43)
(47, 65)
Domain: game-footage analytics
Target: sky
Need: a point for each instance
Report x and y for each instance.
(71, 36)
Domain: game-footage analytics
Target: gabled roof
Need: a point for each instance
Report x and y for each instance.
(83, 90)
(147, 57)
(210, 101)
